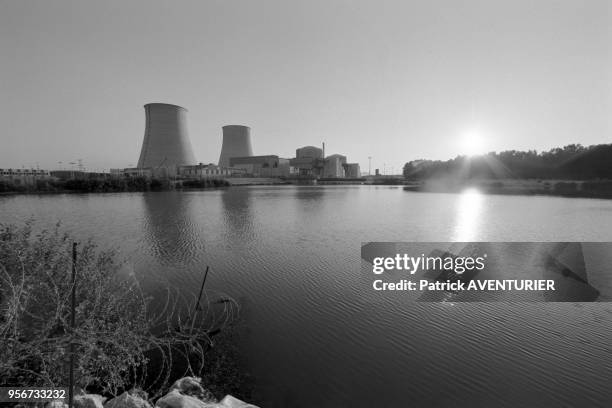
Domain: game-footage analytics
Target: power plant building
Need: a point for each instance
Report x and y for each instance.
(308, 161)
(203, 171)
(167, 152)
(236, 143)
(166, 142)
(309, 152)
(352, 170)
(334, 166)
(262, 166)
(23, 176)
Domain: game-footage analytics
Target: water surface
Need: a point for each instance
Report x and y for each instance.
(317, 336)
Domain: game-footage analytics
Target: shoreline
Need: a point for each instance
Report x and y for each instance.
(601, 189)
(59, 192)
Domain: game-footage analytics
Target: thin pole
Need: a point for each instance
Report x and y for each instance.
(72, 324)
(198, 307)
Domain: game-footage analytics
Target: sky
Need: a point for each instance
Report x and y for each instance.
(391, 80)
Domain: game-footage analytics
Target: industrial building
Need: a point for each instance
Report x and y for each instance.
(309, 152)
(334, 166)
(308, 161)
(132, 172)
(236, 143)
(204, 171)
(23, 176)
(352, 170)
(166, 153)
(262, 166)
(166, 142)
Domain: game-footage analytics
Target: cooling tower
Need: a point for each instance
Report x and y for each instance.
(166, 141)
(236, 143)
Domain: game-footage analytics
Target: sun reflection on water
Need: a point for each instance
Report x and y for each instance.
(469, 206)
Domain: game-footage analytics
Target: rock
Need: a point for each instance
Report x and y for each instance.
(50, 404)
(231, 402)
(193, 387)
(126, 400)
(89, 401)
(188, 392)
(174, 399)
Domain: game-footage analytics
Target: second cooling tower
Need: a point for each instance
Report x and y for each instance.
(166, 141)
(236, 143)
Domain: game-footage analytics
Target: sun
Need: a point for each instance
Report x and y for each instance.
(472, 143)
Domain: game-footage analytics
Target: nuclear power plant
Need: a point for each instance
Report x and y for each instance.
(236, 143)
(166, 140)
(167, 154)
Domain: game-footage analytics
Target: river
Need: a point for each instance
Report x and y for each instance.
(317, 338)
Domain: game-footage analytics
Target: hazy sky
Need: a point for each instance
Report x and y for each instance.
(395, 80)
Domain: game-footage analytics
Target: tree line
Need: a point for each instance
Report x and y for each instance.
(571, 162)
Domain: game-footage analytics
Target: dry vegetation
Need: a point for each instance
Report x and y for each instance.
(118, 343)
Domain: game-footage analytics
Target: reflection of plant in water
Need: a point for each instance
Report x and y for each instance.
(117, 340)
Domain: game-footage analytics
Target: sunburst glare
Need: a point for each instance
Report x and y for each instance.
(472, 143)
(469, 207)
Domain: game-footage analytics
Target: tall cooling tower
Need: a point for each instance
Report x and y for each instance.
(166, 141)
(236, 143)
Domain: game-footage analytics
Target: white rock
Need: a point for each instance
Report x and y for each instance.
(231, 402)
(189, 393)
(192, 386)
(55, 404)
(126, 400)
(89, 401)
(174, 399)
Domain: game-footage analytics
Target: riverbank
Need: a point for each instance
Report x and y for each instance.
(561, 188)
(255, 181)
(110, 185)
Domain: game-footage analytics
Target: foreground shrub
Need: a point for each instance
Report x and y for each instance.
(115, 334)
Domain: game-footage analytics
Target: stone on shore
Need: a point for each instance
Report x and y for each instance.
(231, 402)
(126, 400)
(174, 399)
(89, 401)
(188, 392)
(50, 404)
(193, 387)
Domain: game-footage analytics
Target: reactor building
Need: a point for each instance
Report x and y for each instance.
(166, 142)
(236, 143)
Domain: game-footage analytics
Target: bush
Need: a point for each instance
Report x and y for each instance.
(9, 186)
(205, 183)
(566, 188)
(601, 188)
(114, 331)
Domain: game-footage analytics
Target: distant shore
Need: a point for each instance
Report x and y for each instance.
(560, 188)
(108, 185)
(255, 181)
